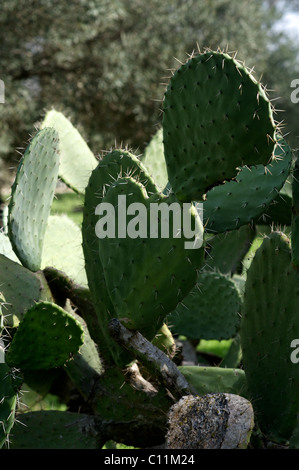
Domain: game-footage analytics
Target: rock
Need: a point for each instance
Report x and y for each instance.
(212, 421)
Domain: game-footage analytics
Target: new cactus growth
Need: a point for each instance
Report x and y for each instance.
(111, 334)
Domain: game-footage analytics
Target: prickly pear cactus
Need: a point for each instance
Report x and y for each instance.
(246, 199)
(8, 401)
(110, 336)
(166, 269)
(31, 197)
(76, 159)
(216, 118)
(211, 310)
(47, 337)
(268, 327)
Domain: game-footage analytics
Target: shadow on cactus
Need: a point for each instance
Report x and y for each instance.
(102, 315)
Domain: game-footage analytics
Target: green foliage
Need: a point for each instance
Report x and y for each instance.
(102, 62)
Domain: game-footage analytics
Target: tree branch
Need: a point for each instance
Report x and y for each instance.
(152, 358)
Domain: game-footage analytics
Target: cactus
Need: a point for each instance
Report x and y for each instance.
(269, 325)
(76, 158)
(31, 197)
(46, 338)
(8, 394)
(211, 310)
(62, 248)
(245, 200)
(106, 340)
(21, 289)
(166, 270)
(153, 159)
(204, 100)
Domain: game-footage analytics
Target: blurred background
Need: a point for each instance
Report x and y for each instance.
(105, 63)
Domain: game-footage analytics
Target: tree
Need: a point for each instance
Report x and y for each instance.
(105, 63)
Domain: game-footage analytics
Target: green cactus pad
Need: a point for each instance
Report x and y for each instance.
(215, 379)
(6, 248)
(147, 275)
(55, 430)
(268, 327)
(31, 198)
(211, 310)
(21, 289)
(86, 366)
(76, 159)
(113, 165)
(8, 400)
(62, 248)
(227, 249)
(236, 203)
(216, 118)
(154, 160)
(46, 338)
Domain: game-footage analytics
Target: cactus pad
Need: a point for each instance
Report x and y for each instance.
(154, 160)
(62, 248)
(269, 325)
(8, 400)
(46, 338)
(21, 289)
(211, 310)
(76, 159)
(147, 275)
(55, 430)
(236, 203)
(112, 166)
(216, 118)
(31, 198)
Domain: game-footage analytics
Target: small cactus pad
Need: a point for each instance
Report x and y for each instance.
(76, 159)
(31, 198)
(211, 310)
(215, 379)
(213, 421)
(236, 203)
(269, 325)
(154, 160)
(216, 118)
(21, 289)
(62, 248)
(8, 400)
(227, 249)
(46, 338)
(6, 248)
(147, 272)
